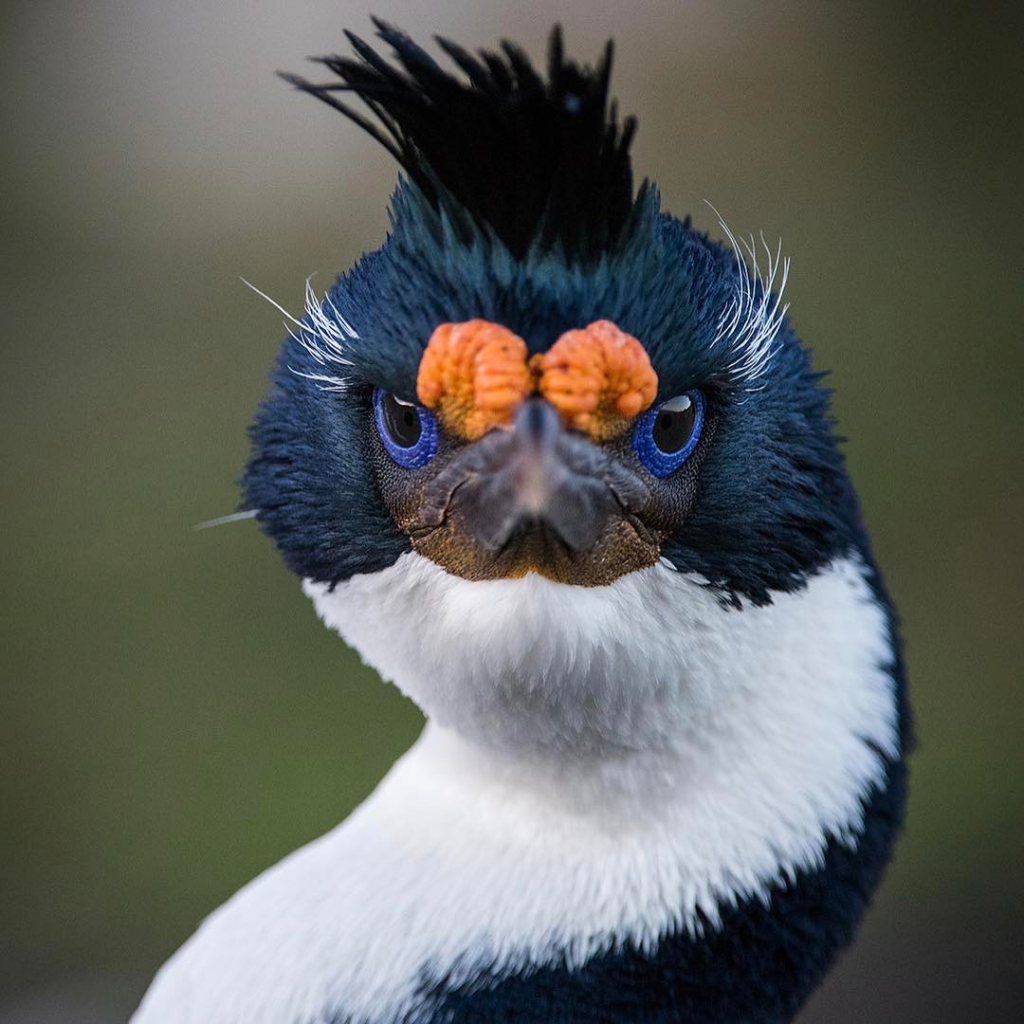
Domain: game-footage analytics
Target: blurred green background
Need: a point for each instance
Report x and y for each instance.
(174, 718)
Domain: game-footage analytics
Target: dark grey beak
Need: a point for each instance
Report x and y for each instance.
(537, 477)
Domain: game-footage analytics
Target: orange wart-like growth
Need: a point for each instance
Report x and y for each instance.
(475, 374)
(599, 378)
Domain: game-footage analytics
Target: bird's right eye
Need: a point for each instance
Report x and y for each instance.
(409, 432)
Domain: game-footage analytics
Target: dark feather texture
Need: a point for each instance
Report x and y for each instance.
(519, 209)
(540, 163)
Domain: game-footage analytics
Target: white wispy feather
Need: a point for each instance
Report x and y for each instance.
(751, 321)
(231, 517)
(749, 324)
(324, 334)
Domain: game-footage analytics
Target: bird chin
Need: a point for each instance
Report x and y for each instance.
(527, 661)
(625, 546)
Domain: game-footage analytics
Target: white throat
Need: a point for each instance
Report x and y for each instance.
(651, 662)
(602, 765)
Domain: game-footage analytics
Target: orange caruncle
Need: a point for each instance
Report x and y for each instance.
(599, 379)
(474, 375)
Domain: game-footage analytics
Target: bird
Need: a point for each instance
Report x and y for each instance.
(556, 464)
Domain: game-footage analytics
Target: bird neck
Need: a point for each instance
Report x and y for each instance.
(592, 786)
(641, 730)
(681, 846)
(518, 859)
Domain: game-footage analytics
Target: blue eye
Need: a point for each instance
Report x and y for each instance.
(666, 435)
(408, 431)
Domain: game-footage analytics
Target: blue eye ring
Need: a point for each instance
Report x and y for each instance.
(420, 449)
(656, 460)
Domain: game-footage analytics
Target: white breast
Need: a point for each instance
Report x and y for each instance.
(603, 764)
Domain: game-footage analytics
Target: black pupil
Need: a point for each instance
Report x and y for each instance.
(402, 422)
(672, 428)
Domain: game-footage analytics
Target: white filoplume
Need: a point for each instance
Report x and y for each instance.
(601, 764)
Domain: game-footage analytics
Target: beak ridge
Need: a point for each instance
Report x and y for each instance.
(536, 462)
(538, 476)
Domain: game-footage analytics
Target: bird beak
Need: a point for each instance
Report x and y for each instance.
(534, 497)
(539, 478)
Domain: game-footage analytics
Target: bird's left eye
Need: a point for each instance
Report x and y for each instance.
(409, 432)
(666, 436)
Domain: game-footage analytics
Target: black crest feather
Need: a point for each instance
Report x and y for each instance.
(538, 162)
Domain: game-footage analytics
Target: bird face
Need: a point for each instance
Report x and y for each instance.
(720, 462)
(555, 465)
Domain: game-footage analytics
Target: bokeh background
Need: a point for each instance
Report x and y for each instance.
(174, 718)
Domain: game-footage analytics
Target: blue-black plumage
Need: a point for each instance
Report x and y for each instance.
(557, 465)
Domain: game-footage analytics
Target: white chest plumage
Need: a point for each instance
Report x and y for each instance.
(601, 765)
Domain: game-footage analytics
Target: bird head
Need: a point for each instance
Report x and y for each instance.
(545, 429)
